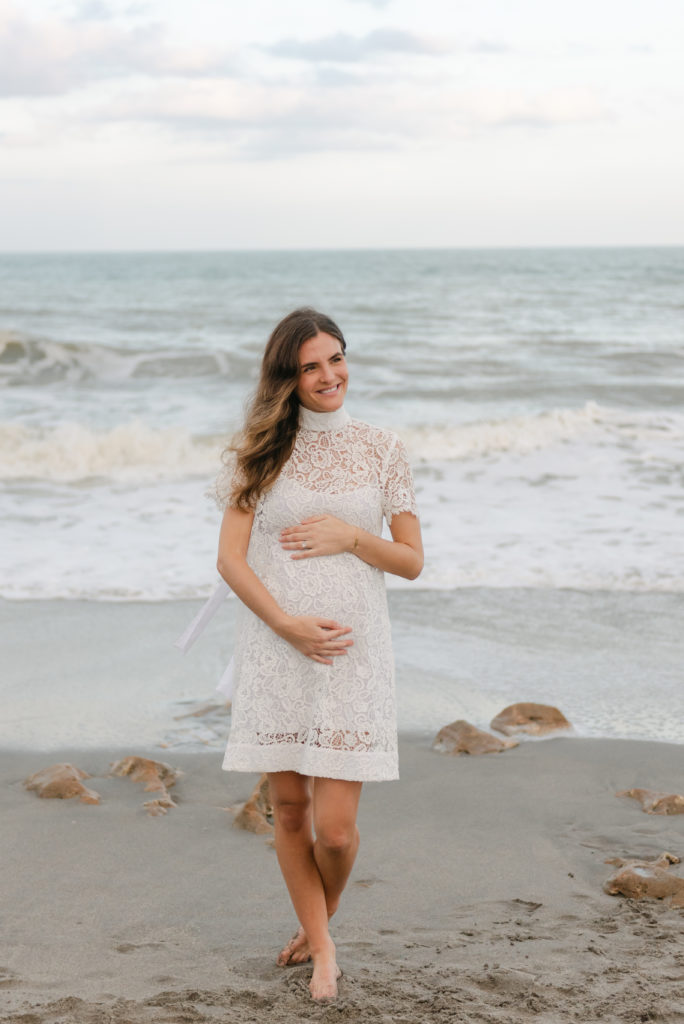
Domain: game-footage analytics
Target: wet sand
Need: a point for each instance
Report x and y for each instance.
(477, 895)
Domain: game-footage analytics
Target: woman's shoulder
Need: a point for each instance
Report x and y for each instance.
(373, 434)
(379, 445)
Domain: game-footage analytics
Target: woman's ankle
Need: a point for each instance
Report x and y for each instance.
(325, 950)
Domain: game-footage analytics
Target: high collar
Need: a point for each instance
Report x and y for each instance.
(335, 420)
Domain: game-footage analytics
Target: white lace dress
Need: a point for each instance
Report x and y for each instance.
(291, 713)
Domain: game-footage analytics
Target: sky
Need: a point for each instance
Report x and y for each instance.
(289, 124)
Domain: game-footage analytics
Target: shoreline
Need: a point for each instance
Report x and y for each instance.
(88, 673)
(477, 894)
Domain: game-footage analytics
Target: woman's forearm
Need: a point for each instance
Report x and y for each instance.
(320, 639)
(246, 585)
(328, 535)
(393, 556)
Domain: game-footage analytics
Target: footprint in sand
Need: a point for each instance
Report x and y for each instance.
(131, 947)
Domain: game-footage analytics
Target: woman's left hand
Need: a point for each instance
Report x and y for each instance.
(318, 535)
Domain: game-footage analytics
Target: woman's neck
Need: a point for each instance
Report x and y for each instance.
(335, 420)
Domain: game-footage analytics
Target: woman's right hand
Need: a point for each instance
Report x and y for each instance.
(318, 639)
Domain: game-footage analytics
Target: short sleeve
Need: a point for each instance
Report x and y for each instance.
(398, 492)
(226, 482)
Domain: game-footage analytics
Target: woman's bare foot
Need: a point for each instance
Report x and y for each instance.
(297, 950)
(323, 984)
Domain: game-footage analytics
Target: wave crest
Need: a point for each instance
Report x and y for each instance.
(522, 434)
(37, 361)
(129, 452)
(134, 450)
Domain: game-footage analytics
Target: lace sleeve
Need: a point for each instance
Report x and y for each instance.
(398, 493)
(225, 482)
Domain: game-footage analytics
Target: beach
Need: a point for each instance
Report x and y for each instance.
(478, 892)
(85, 674)
(477, 895)
(539, 396)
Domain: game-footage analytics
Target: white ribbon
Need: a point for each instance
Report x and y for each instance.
(203, 617)
(197, 627)
(225, 683)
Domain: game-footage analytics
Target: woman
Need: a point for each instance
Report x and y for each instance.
(300, 545)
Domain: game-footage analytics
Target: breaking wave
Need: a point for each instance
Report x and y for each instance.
(36, 361)
(135, 450)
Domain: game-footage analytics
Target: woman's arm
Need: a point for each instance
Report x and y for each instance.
(327, 535)
(319, 639)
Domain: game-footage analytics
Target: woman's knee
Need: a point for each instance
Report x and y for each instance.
(291, 799)
(292, 814)
(336, 837)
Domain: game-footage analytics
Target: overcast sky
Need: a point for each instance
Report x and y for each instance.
(213, 124)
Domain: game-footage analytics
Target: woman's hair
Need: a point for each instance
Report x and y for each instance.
(257, 454)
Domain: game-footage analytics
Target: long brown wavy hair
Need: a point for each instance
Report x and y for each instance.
(255, 457)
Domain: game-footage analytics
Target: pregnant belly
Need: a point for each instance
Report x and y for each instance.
(330, 586)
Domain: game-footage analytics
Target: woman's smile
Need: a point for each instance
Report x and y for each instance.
(323, 374)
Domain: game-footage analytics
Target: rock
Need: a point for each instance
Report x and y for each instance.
(256, 815)
(646, 879)
(461, 737)
(535, 719)
(656, 803)
(157, 776)
(62, 782)
(156, 807)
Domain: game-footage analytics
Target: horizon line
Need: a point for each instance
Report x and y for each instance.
(340, 249)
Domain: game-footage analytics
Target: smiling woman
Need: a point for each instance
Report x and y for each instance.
(323, 374)
(300, 545)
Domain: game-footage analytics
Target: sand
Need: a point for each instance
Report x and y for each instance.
(477, 895)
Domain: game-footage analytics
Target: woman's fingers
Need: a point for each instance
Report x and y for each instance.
(332, 644)
(293, 532)
(335, 629)
(319, 639)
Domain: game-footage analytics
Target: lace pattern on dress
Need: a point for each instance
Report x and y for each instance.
(289, 712)
(333, 739)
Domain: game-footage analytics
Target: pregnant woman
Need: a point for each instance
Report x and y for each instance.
(305, 492)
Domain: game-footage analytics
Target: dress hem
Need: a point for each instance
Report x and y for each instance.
(351, 766)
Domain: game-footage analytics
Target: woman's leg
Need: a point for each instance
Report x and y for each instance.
(315, 873)
(291, 796)
(335, 806)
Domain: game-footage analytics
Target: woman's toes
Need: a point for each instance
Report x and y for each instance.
(296, 951)
(323, 984)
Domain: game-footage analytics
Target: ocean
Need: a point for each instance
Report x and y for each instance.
(540, 394)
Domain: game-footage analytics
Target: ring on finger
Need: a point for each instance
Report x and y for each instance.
(303, 545)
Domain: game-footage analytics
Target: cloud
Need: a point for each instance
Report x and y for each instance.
(344, 48)
(260, 121)
(373, 3)
(341, 98)
(488, 46)
(554, 108)
(53, 56)
(93, 10)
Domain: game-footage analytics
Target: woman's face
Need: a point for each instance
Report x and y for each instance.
(323, 374)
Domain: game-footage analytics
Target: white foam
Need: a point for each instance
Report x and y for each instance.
(588, 499)
(137, 451)
(524, 434)
(129, 452)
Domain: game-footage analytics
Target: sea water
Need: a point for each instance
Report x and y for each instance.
(540, 394)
